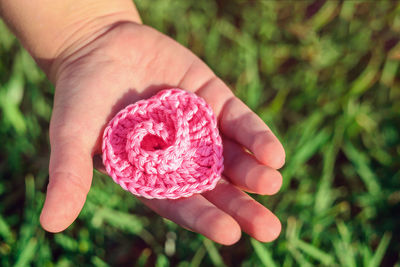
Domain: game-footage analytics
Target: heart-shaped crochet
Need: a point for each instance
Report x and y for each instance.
(167, 146)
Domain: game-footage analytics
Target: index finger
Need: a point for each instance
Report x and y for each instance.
(242, 125)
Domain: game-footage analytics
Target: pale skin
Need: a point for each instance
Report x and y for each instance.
(103, 59)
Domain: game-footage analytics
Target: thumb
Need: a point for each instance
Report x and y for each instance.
(71, 171)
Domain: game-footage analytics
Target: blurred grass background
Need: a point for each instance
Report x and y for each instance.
(323, 74)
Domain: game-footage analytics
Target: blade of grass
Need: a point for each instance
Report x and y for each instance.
(198, 257)
(327, 12)
(347, 10)
(314, 252)
(389, 72)
(10, 96)
(263, 254)
(381, 250)
(299, 258)
(343, 248)
(30, 224)
(5, 230)
(324, 194)
(162, 261)
(66, 242)
(213, 252)
(144, 256)
(361, 164)
(303, 154)
(366, 254)
(120, 220)
(64, 262)
(96, 261)
(367, 78)
(27, 254)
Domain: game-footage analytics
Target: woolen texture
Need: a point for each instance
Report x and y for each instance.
(167, 146)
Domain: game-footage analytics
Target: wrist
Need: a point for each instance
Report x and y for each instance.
(56, 29)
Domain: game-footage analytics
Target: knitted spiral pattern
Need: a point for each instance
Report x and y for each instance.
(167, 146)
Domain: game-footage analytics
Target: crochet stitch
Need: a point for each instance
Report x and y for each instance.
(167, 146)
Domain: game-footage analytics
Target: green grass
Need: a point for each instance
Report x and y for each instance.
(324, 76)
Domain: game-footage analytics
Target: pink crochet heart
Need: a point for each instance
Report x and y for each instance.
(167, 146)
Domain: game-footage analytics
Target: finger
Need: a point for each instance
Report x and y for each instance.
(194, 213)
(243, 170)
(70, 179)
(239, 123)
(253, 218)
(199, 215)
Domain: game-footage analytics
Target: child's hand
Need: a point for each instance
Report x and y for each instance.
(130, 62)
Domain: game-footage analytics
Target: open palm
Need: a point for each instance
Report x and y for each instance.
(130, 62)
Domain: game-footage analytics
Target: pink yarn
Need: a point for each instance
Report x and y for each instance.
(167, 146)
